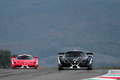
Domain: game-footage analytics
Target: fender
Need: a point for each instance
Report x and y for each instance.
(36, 58)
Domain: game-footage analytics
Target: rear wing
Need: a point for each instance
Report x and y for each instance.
(35, 57)
(90, 54)
(61, 54)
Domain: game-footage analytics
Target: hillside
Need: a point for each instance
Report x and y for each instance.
(45, 27)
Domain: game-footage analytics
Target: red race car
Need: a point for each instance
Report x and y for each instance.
(24, 61)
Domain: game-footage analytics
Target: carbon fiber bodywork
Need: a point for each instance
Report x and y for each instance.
(75, 59)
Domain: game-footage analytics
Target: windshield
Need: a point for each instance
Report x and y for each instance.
(24, 57)
(75, 54)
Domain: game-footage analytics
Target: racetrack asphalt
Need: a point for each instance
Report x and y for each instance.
(48, 74)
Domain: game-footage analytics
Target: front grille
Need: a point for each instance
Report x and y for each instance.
(25, 66)
(74, 66)
(74, 63)
(17, 66)
(31, 66)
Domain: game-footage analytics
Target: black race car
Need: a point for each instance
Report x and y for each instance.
(75, 59)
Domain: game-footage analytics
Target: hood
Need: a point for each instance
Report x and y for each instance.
(78, 59)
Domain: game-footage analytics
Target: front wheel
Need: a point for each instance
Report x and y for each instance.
(89, 68)
(60, 67)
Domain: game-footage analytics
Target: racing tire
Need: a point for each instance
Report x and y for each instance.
(60, 67)
(89, 68)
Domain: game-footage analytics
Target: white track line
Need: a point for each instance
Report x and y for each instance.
(105, 75)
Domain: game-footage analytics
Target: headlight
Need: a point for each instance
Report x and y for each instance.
(61, 60)
(89, 59)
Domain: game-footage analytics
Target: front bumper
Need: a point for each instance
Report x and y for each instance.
(25, 67)
(69, 64)
(79, 65)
